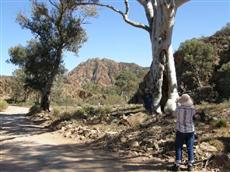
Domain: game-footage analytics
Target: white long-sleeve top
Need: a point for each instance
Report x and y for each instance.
(184, 119)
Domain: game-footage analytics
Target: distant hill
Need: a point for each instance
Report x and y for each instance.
(95, 71)
(100, 71)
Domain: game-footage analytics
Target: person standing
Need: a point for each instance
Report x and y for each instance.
(184, 130)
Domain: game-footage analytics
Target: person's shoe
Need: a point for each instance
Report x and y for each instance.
(175, 167)
(190, 168)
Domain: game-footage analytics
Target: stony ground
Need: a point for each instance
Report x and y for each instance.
(150, 139)
(27, 146)
(109, 142)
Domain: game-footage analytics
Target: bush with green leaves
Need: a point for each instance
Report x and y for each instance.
(3, 105)
(96, 110)
(223, 81)
(218, 123)
(126, 83)
(34, 109)
(197, 65)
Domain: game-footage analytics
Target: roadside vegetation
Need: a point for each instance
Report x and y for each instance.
(129, 131)
(3, 105)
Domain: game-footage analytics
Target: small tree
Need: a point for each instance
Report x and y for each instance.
(126, 82)
(19, 92)
(57, 27)
(197, 64)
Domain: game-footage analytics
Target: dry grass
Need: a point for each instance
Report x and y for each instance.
(214, 109)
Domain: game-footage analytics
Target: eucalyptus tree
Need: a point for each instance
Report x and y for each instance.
(160, 15)
(57, 26)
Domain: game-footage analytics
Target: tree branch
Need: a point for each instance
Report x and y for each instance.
(180, 2)
(52, 3)
(149, 12)
(124, 15)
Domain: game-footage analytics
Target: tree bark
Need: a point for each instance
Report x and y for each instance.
(45, 101)
(160, 15)
(45, 93)
(162, 54)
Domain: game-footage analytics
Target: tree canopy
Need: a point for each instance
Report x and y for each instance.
(203, 66)
(57, 26)
(197, 64)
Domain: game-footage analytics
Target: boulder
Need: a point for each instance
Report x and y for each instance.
(134, 144)
(136, 119)
(206, 147)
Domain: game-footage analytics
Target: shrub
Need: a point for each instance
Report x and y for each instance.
(79, 113)
(56, 111)
(219, 123)
(223, 81)
(3, 105)
(196, 66)
(96, 110)
(34, 109)
(115, 100)
(65, 116)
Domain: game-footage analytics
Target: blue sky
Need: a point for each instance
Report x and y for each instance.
(110, 37)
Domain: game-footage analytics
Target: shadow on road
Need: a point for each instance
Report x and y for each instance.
(66, 158)
(18, 124)
(21, 151)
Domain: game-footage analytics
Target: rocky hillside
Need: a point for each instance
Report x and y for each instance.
(95, 76)
(99, 71)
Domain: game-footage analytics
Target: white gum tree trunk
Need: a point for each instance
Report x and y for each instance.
(160, 15)
(162, 54)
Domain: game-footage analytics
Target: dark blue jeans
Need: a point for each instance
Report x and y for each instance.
(188, 139)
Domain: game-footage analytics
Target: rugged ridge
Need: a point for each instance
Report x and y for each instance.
(99, 71)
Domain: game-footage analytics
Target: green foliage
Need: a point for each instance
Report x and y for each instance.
(19, 93)
(219, 123)
(96, 110)
(197, 65)
(223, 81)
(3, 105)
(56, 28)
(93, 88)
(55, 25)
(127, 83)
(57, 91)
(114, 99)
(34, 109)
(56, 111)
(79, 113)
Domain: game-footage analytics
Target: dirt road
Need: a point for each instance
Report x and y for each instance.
(29, 147)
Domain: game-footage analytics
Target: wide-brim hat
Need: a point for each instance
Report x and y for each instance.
(185, 100)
